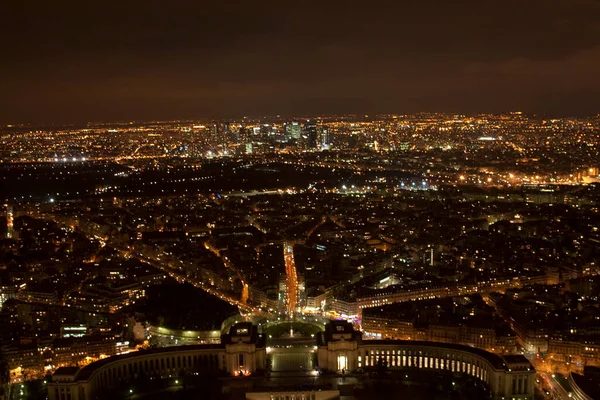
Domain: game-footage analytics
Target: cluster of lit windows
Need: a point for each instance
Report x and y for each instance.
(294, 396)
(404, 358)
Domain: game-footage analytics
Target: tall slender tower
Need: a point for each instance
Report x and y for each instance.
(9, 221)
(310, 130)
(325, 138)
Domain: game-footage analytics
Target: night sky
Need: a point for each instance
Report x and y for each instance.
(76, 61)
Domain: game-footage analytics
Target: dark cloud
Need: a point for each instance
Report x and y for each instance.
(102, 60)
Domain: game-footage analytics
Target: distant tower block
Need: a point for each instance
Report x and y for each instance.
(9, 222)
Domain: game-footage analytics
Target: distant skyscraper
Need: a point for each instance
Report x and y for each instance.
(242, 133)
(325, 138)
(265, 131)
(228, 134)
(9, 222)
(293, 130)
(310, 131)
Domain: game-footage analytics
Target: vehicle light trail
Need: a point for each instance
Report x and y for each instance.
(291, 279)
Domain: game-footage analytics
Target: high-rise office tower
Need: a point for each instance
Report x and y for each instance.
(310, 131)
(293, 130)
(325, 138)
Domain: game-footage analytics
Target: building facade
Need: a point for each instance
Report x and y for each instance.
(339, 348)
(575, 351)
(381, 327)
(241, 352)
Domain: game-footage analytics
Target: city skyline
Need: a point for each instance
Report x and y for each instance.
(16, 128)
(317, 200)
(470, 240)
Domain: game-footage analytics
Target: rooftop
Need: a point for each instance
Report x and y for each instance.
(66, 371)
(87, 371)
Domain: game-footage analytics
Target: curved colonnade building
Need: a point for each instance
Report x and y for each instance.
(340, 348)
(241, 352)
(509, 377)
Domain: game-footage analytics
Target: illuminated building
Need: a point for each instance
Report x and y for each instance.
(241, 352)
(296, 394)
(310, 131)
(9, 221)
(76, 330)
(325, 142)
(293, 130)
(340, 347)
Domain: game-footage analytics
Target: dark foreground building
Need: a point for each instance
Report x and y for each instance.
(339, 348)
